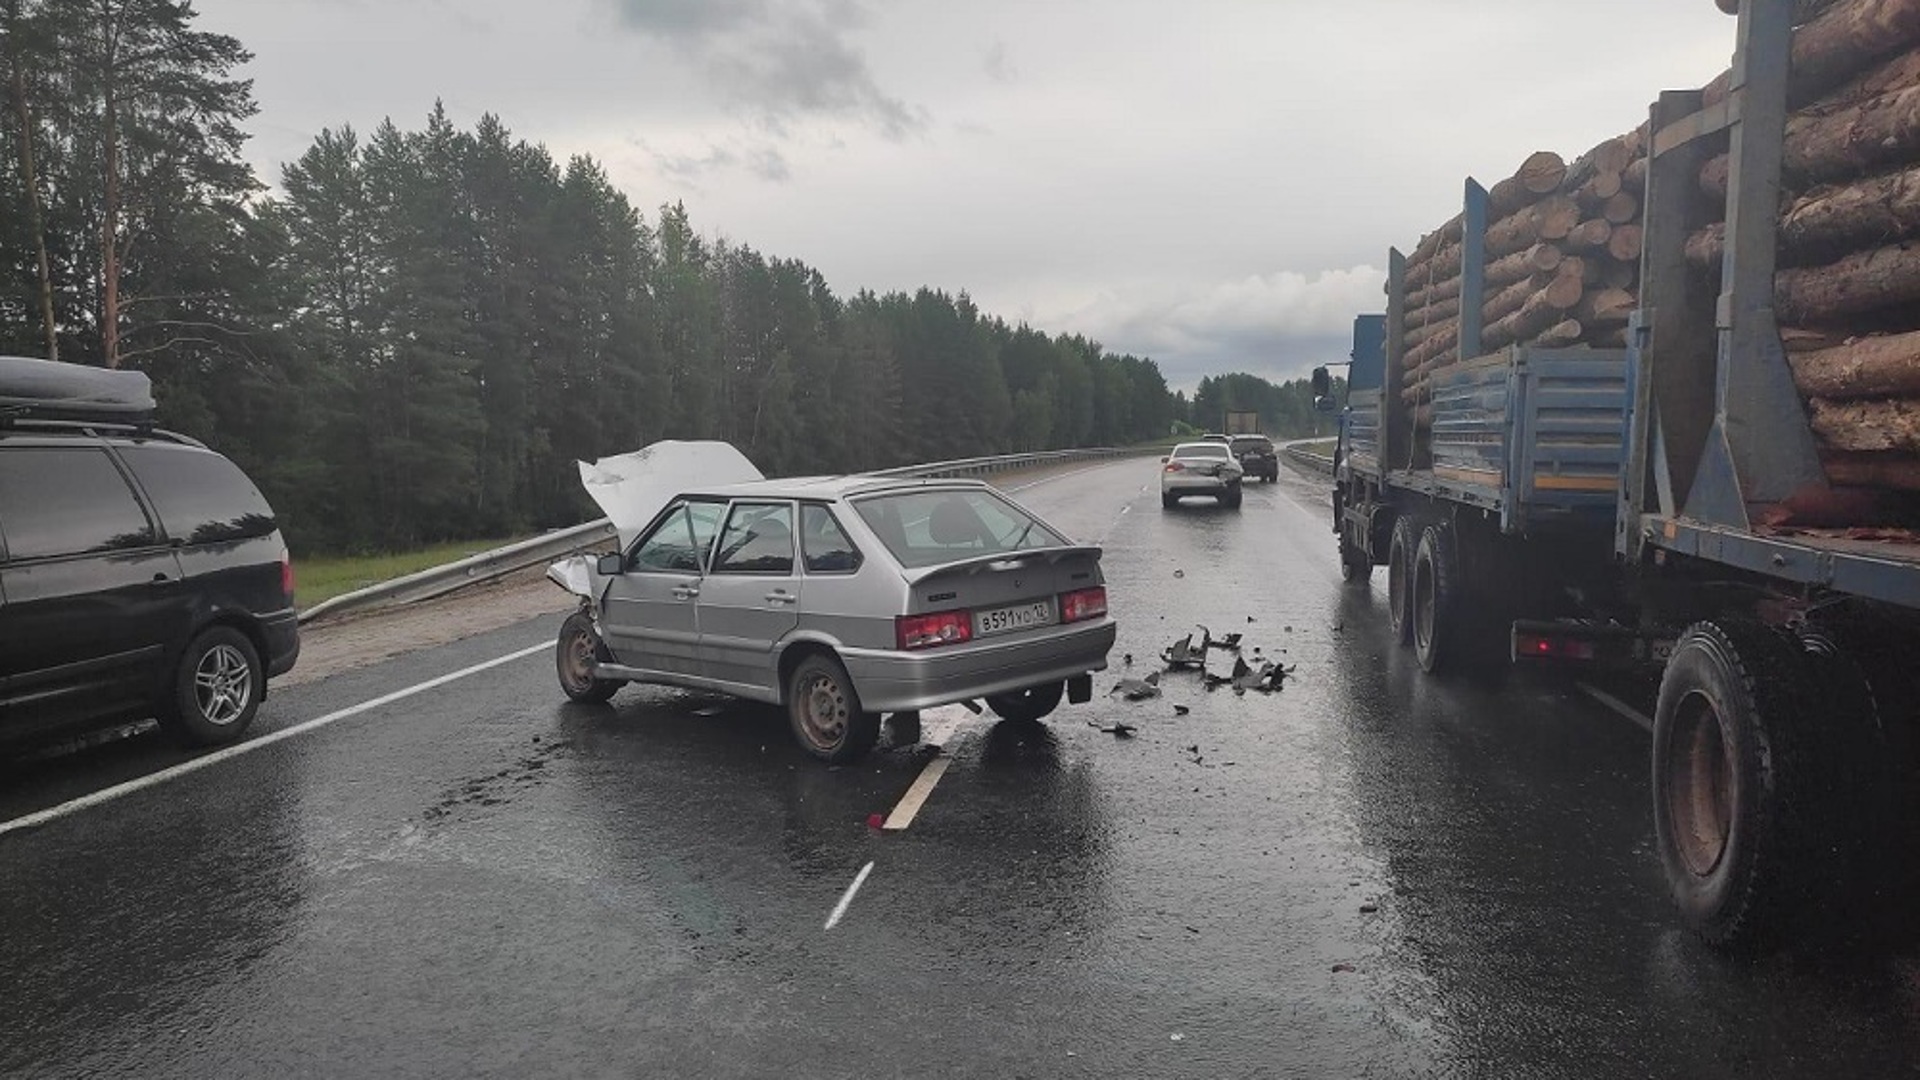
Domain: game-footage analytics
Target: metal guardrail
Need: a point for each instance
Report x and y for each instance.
(1321, 463)
(501, 561)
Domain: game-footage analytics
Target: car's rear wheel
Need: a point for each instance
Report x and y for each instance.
(576, 652)
(217, 688)
(1032, 703)
(1231, 497)
(824, 711)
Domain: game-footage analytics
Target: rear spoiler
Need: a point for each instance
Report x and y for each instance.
(1006, 560)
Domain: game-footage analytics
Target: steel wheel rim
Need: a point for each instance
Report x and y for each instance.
(824, 712)
(576, 659)
(1700, 791)
(222, 685)
(1423, 605)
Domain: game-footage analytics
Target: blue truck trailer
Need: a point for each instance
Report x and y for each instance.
(1647, 505)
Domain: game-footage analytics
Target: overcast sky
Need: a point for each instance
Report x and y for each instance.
(1213, 183)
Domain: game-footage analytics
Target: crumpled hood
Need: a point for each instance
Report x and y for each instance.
(632, 488)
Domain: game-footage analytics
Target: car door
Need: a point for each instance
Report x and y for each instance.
(751, 597)
(648, 614)
(94, 606)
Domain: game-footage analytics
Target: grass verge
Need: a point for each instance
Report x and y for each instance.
(325, 577)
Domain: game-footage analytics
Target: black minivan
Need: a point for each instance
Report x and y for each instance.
(141, 574)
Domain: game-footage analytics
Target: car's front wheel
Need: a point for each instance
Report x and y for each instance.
(217, 688)
(1030, 704)
(824, 710)
(575, 654)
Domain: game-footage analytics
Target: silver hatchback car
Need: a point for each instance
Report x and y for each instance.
(841, 599)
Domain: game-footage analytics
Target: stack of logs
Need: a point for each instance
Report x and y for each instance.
(1562, 258)
(1847, 293)
(1563, 243)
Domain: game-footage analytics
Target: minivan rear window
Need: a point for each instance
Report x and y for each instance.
(67, 501)
(926, 528)
(202, 498)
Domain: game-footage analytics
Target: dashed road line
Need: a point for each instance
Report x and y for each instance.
(106, 795)
(846, 898)
(1621, 707)
(909, 805)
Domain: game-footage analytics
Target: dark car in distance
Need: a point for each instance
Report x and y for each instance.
(1257, 456)
(141, 574)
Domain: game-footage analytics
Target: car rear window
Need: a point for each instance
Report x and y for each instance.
(926, 528)
(1213, 450)
(1244, 445)
(202, 497)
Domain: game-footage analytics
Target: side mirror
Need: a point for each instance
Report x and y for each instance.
(611, 564)
(1322, 384)
(1163, 461)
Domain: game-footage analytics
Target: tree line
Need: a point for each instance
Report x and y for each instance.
(415, 336)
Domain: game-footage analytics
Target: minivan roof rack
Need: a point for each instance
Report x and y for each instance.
(33, 389)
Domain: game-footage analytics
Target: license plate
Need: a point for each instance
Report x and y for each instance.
(1006, 620)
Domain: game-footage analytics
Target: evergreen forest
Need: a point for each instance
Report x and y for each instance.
(415, 332)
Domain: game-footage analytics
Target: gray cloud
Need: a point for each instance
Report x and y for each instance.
(780, 60)
(996, 63)
(763, 160)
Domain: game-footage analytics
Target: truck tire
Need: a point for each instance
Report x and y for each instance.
(1406, 538)
(1438, 606)
(1736, 808)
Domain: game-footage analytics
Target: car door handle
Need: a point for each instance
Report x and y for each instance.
(685, 592)
(781, 597)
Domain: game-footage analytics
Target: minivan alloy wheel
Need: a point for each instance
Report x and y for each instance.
(223, 684)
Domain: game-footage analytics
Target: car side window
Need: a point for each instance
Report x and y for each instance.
(824, 543)
(60, 501)
(679, 543)
(758, 540)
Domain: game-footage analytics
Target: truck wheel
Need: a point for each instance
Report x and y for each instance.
(1030, 704)
(1734, 812)
(824, 711)
(579, 647)
(1437, 603)
(1865, 685)
(1406, 537)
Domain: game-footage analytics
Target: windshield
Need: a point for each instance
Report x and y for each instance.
(926, 528)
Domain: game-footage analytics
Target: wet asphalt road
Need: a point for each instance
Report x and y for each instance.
(1367, 874)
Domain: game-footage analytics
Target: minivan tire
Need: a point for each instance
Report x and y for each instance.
(217, 687)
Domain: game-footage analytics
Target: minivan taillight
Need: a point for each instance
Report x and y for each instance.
(1083, 605)
(286, 576)
(932, 631)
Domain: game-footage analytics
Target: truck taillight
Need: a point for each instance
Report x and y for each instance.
(1084, 604)
(1551, 647)
(286, 576)
(933, 631)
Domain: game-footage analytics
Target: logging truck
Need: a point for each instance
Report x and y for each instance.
(1661, 407)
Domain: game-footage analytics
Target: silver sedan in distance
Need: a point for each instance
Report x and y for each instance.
(1200, 468)
(842, 599)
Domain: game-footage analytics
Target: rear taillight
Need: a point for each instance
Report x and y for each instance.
(286, 576)
(932, 631)
(1083, 605)
(1174, 466)
(1551, 647)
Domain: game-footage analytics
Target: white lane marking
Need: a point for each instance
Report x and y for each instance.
(917, 794)
(1617, 705)
(846, 898)
(105, 795)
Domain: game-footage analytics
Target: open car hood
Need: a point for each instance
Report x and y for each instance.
(633, 487)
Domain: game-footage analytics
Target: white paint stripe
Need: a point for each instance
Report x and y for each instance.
(1618, 706)
(105, 795)
(916, 796)
(846, 898)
